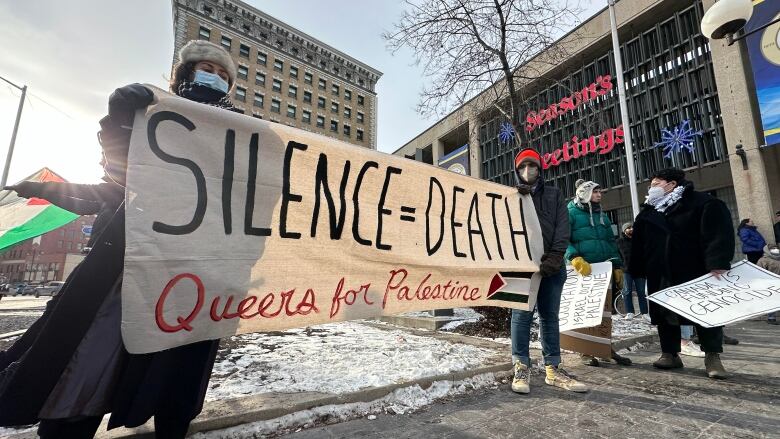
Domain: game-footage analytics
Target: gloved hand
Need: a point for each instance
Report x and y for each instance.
(617, 275)
(581, 265)
(124, 101)
(551, 264)
(25, 189)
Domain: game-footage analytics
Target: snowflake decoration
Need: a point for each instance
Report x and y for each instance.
(506, 132)
(681, 137)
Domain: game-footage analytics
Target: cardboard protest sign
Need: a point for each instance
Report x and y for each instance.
(583, 297)
(596, 340)
(743, 292)
(235, 224)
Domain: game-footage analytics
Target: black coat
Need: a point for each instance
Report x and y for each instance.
(553, 217)
(693, 237)
(624, 247)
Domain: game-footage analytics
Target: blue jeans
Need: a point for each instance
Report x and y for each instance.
(686, 332)
(548, 302)
(628, 285)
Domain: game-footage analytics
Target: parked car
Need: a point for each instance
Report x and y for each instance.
(29, 289)
(49, 289)
(17, 288)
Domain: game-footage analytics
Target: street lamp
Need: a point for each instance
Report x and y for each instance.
(4, 178)
(727, 17)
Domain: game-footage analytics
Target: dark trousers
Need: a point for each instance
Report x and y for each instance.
(711, 338)
(71, 428)
(753, 257)
(170, 428)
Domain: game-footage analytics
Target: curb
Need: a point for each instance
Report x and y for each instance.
(630, 341)
(12, 334)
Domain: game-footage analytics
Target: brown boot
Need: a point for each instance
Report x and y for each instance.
(714, 367)
(668, 361)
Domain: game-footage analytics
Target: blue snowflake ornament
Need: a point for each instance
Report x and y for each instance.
(506, 132)
(681, 137)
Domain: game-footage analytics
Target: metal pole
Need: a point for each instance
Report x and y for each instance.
(13, 138)
(624, 111)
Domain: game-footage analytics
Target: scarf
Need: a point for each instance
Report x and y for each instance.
(204, 95)
(668, 200)
(529, 189)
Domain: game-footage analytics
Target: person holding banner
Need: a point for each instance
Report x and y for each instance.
(71, 368)
(592, 241)
(551, 210)
(680, 235)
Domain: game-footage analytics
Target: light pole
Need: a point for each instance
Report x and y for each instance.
(624, 111)
(13, 135)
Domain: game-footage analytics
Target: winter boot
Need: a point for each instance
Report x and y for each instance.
(714, 367)
(588, 360)
(621, 360)
(522, 380)
(557, 377)
(730, 340)
(668, 361)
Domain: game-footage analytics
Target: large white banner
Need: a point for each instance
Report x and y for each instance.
(583, 297)
(743, 292)
(235, 224)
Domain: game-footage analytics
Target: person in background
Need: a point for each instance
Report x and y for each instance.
(771, 262)
(687, 345)
(680, 235)
(592, 241)
(752, 241)
(551, 210)
(630, 282)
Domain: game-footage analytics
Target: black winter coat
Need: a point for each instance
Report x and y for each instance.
(693, 237)
(553, 217)
(624, 247)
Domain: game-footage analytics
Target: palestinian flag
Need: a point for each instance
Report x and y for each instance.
(22, 218)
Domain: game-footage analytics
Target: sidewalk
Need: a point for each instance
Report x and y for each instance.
(625, 402)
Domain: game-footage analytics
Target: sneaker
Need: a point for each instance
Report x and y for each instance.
(690, 349)
(714, 367)
(588, 360)
(629, 316)
(668, 361)
(522, 379)
(557, 377)
(646, 317)
(730, 340)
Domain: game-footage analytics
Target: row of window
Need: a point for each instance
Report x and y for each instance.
(262, 59)
(292, 91)
(16, 268)
(243, 73)
(70, 245)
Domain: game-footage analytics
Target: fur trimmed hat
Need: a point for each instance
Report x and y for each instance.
(200, 50)
(584, 191)
(528, 154)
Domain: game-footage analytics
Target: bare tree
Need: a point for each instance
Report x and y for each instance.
(470, 46)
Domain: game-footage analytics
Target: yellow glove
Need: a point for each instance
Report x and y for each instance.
(581, 265)
(618, 276)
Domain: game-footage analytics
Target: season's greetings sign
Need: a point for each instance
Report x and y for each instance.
(235, 225)
(743, 292)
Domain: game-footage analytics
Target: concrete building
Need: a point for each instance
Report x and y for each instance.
(673, 74)
(285, 75)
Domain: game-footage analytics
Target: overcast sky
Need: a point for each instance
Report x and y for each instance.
(73, 55)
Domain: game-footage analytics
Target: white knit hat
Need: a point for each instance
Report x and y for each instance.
(584, 191)
(200, 50)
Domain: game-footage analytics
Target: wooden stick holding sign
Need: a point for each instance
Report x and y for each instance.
(236, 224)
(585, 318)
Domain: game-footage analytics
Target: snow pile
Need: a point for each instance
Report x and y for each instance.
(334, 358)
(622, 328)
(399, 402)
(462, 315)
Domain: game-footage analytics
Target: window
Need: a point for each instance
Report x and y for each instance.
(322, 84)
(334, 89)
(259, 99)
(306, 116)
(277, 87)
(360, 99)
(320, 122)
(292, 91)
(59, 244)
(278, 65)
(79, 246)
(70, 247)
(307, 77)
(320, 102)
(204, 34)
(243, 50)
(260, 79)
(71, 234)
(293, 72)
(291, 111)
(307, 97)
(348, 95)
(347, 130)
(334, 126)
(348, 113)
(334, 107)
(360, 117)
(243, 72)
(262, 58)
(359, 134)
(276, 105)
(241, 94)
(226, 43)
(62, 232)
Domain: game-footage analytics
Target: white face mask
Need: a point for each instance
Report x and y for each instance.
(655, 193)
(775, 252)
(529, 173)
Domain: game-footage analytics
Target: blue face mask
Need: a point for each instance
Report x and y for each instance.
(211, 80)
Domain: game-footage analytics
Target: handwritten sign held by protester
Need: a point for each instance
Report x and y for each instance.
(583, 297)
(236, 225)
(743, 292)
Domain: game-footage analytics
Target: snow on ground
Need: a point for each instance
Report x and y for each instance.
(399, 402)
(334, 358)
(7, 432)
(622, 328)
